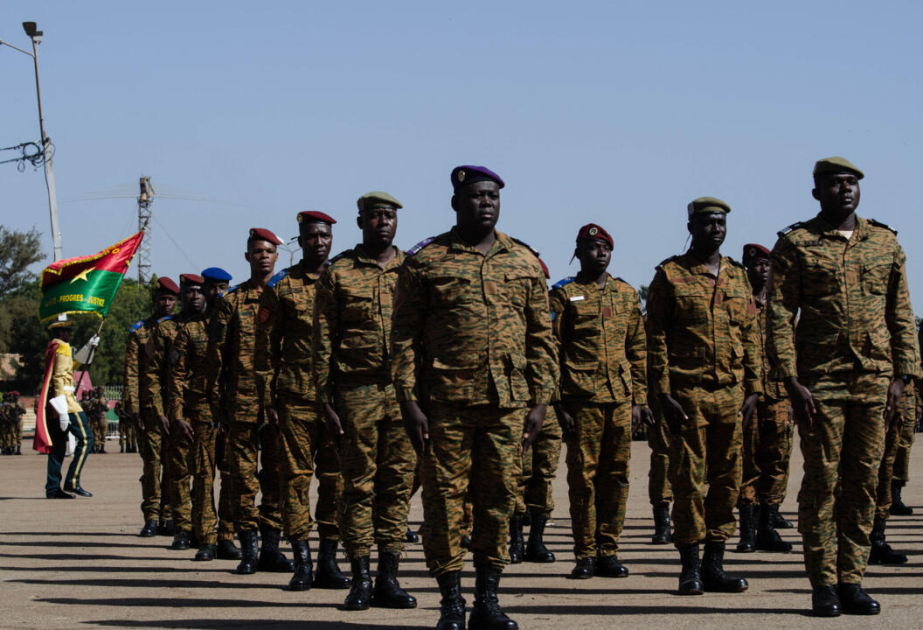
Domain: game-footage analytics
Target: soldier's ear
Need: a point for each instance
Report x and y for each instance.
(689, 226)
(247, 256)
(815, 194)
(359, 220)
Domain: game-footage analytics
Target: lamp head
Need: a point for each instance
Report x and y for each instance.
(32, 31)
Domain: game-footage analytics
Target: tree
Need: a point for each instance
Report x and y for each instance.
(18, 250)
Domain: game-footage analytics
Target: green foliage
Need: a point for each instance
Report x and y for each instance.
(18, 250)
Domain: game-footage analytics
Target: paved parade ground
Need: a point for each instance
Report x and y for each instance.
(80, 564)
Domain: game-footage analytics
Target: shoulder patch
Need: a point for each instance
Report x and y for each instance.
(275, 279)
(563, 282)
(413, 251)
(232, 289)
(735, 263)
(137, 326)
(881, 225)
(536, 254)
(665, 261)
(165, 318)
(792, 227)
(64, 349)
(337, 257)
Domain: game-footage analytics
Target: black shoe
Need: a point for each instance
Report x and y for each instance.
(271, 559)
(227, 550)
(360, 591)
(780, 522)
(881, 552)
(747, 542)
(248, 553)
(328, 574)
(411, 536)
(897, 504)
(121, 448)
(452, 606)
(466, 542)
(388, 592)
(767, 538)
(662, 535)
(165, 528)
(825, 602)
(149, 530)
(714, 577)
(78, 491)
(690, 578)
(206, 553)
(59, 494)
(517, 544)
(19, 452)
(855, 601)
(536, 551)
(303, 577)
(181, 541)
(584, 569)
(609, 566)
(487, 614)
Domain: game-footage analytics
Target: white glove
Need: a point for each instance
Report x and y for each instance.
(59, 404)
(83, 355)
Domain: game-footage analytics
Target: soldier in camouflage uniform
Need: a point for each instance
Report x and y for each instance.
(139, 408)
(6, 433)
(659, 491)
(234, 393)
(705, 367)
(101, 426)
(351, 347)
(602, 356)
(901, 475)
(283, 353)
(842, 337)
(474, 368)
(535, 499)
(768, 439)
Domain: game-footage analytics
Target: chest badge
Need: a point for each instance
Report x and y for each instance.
(577, 298)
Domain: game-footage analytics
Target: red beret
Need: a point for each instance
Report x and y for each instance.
(262, 234)
(754, 251)
(166, 285)
(593, 231)
(190, 278)
(315, 217)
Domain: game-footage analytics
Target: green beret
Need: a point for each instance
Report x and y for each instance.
(707, 204)
(369, 200)
(836, 164)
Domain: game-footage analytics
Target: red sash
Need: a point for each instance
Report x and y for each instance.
(42, 441)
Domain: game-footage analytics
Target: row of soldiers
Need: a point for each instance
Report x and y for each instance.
(377, 369)
(96, 407)
(11, 414)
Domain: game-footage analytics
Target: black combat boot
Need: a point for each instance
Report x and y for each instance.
(584, 569)
(855, 601)
(248, 552)
(19, 452)
(165, 528)
(690, 578)
(271, 559)
(227, 550)
(881, 552)
(825, 602)
(517, 543)
(304, 568)
(121, 448)
(149, 530)
(411, 536)
(181, 541)
(465, 541)
(713, 576)
(767, 538)
(487, 614)
(747, 542)
(388, 592)
(360, 592)
(897, 504)
(328, 574)
(610, 566)
(780, 522)
(452, 606)
(536, 551)
(662, 535)
(206, 553)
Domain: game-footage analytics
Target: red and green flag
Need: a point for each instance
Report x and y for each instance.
(86, 284)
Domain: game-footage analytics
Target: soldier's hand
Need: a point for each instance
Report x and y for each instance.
(164, 425)
(332, 422)
(273, 416)
(672, 412)
(136, 421)
(641, 415)
(746, 411)
(895, 392)
(533, 426)
(802, 403)
(183, 429)
(568, 426)
(416, 424)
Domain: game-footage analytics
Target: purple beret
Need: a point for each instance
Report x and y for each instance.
(464, 175)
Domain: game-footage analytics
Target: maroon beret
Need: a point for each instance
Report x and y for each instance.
(190, 278)
(262, 234)
(167, 286)
(313, 216)
(595, 232)
(468, 174)
(753, 251)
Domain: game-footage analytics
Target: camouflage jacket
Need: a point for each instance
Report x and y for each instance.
(851, 299)
(702, 330)
(135, 396)
(283, 344)
(472, 328)
(159, 348)
(772, 389)
(188, 393)
(602, 347)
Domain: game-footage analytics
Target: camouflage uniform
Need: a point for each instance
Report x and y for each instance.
(659, 439)
(101, 424)
(901, 474)
(472, 343)
(906, 415)
(6, 433)
(855, 331)
(283, 352)
(704, 351)
(602, 353)
(539, 469)
(351, 350)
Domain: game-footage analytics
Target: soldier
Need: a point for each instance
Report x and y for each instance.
(768, 440)
(6, 435)
(474, 368)
(602, 355)
(139, 407)
(705, 366)
(351, 346)
(659, 491)
(844, 363)
(902, 459)
(535, 500)
(102, 424)
(234, 393)
(17, 411)
(283, 352)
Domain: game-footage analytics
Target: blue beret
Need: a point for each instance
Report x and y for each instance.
(464, 175)
(216, 274)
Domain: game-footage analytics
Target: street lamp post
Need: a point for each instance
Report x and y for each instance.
(36, 36)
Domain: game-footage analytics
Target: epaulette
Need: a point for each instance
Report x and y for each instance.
(413, 251)
(792, 227)
(232, 289)
(735, 263)
(164, 318)
(536, 254)
(561, 283)
(881, 225)
(337, 257)
(666, 260)
(275, 279)
(137, 326)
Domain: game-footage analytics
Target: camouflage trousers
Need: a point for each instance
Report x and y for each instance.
(659, 439)
(179, 453)
(127, 436)
(207, 457)
(705, 465)
(597, 475)
(154, 504)
(99, 430)
(474, 453)
(767, 451)
(6, 434)
(377, 462)
(308, 451)
(243, 438)
(905, 415)
(539, 468)
(842, 452)
(901, 473)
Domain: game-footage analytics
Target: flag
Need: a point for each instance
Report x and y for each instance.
(86, 283)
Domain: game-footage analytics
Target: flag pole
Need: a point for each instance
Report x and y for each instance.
(86, 366)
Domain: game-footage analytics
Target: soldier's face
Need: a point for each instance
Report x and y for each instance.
(477, 206)
(315, 240)
(164, 303)
(758, 273)
(64, 334)
(262, 257)
(193, 298)
(214, 289)
(838, 194)
(594, 256)
(378, 225)
(708, 229)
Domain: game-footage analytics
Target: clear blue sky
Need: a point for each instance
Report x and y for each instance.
(612, 112)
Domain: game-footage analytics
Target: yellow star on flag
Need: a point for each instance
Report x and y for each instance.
(82, 275)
